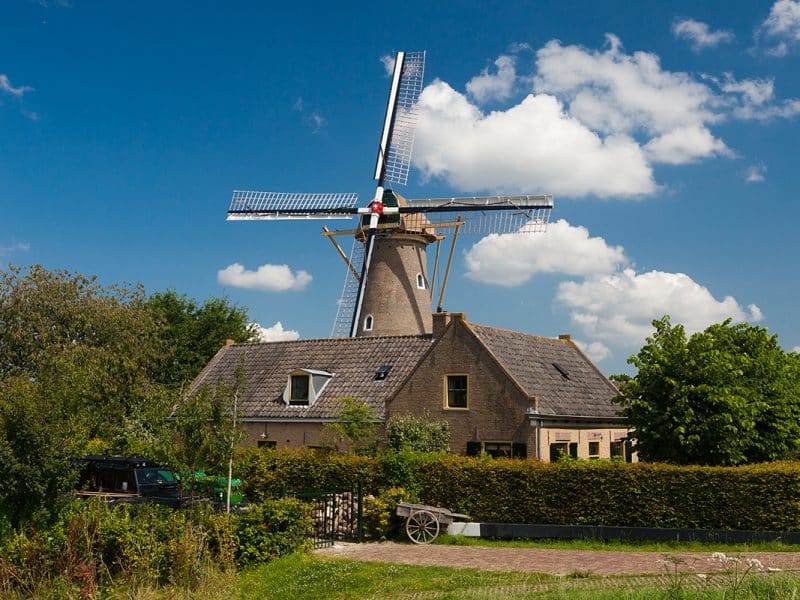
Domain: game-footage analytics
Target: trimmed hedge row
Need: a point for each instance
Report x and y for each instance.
(759, 497)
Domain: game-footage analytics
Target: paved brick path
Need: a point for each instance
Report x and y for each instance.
(556, 562)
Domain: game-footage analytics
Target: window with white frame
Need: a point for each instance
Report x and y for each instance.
(304, 386)
(368, 321)
(421, 281)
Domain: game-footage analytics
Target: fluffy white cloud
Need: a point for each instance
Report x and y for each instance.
(498, 86)
(755, 173)
(685, 144)
(597, 122)
(276, 333)
(533, 146)
(699, 35)
(5, 86)
(512, 259)
(782, 25)
(271, 278)
(619, 308)
(596, 351)
(614, 91)
(796, 349)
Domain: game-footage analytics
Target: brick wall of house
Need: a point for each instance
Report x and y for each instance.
(496, 407)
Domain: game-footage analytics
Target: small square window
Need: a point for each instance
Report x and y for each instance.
(299, 392)
(456, 391)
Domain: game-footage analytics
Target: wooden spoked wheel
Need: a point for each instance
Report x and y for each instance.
(422, 527)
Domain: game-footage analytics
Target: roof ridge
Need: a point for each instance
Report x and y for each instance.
(532, 335)
(422, 336)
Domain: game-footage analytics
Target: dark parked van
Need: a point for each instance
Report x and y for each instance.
(126, 479)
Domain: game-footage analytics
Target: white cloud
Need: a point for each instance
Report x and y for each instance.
(512, 259)
(276, 333)
(619, 308)
(684, 145)
(388, 63)
(755, 173)
(597, 122)
(271, 278)
(5, 86)
(533, 146)
(796, 349)
(699, 34)
(782, 25)
(596, 351)
(614, 91)
(16, 247)
(487, 87)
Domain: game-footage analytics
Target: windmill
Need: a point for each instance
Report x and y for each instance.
(392, 235)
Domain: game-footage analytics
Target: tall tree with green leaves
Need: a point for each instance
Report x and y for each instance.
(88, 350)
(724, 396)
(192, 333)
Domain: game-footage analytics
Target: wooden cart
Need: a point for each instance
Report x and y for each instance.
(423, 522)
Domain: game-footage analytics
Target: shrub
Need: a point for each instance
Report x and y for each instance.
(568, 493)
(380, 521)
(417, 434)
(93, 545)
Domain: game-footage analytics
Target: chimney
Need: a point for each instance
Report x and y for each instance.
(442, 319)
(565, 336)
(229, 342)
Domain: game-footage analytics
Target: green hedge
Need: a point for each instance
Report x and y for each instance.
(759, 497)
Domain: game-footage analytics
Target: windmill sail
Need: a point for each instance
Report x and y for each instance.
(397, 139)
(249, 205)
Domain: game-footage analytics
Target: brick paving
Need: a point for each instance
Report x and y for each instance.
(555, 562)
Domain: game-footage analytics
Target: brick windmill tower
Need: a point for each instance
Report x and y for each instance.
(387, 290)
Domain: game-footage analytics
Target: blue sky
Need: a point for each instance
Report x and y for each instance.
(667, 133)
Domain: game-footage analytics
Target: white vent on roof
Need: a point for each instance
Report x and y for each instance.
(304, 386)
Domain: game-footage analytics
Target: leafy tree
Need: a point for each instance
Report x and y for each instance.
(87, 350)
(355, 423)
(193, 333)
(418, 434)
(34, 456)
(727, 395)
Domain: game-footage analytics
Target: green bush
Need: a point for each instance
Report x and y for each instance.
(380, 519)
(418, 434)
(269, 530)
(759, 497)
(93, 546)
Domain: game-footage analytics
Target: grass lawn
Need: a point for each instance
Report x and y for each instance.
(308, 577)
(620, 546)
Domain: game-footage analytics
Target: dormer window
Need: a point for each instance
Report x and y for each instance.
(368, 320)
(304, 386)
(300, 386)
(420, 281)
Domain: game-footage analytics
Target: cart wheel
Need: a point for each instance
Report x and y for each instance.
(422, 527)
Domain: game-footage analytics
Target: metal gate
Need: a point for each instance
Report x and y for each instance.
(338, 515)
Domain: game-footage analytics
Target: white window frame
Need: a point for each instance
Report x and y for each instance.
(421, 279)
(369, 323)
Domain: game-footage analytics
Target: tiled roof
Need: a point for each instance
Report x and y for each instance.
(353, 361)
(581, 390)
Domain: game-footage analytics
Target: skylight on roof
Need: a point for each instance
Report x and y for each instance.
(382, 372)
(561, 370)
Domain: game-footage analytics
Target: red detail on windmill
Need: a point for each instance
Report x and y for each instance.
(376, 207)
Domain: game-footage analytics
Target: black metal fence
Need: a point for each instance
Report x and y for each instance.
(338, 515)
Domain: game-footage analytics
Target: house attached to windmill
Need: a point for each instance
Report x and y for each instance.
(502, 392)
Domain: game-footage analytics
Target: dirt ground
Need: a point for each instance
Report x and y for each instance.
(555, 562)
